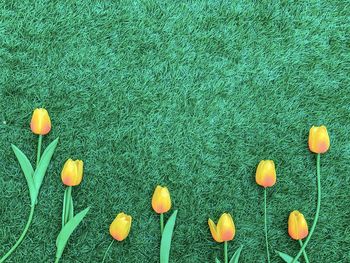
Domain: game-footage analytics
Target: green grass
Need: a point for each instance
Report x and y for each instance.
(188, 94)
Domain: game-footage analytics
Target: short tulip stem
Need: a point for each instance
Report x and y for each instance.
(317, 209)
(161, 223)
(39, 150)
(105, 255)
(304, 252)
(225, 252)
(22, 235)
(66, 206)
(265, 221)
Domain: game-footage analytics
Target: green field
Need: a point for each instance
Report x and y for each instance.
(188, 94)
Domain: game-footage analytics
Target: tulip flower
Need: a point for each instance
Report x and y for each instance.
(224, 231)
(297, 226)
(319, 142)
(72, 172)
(40, 123)
(298, 229)
(319, 139)
(266, 176)
(266, 173)
(161, 203)
(120, 227)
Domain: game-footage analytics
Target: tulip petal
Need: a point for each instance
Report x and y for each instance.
(213, 231)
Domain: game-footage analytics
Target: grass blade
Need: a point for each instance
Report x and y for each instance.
(216, 260)
(165, 243)
(67, 230)
(28, 172)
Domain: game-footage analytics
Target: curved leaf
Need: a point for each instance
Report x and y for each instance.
(43, 164)
(28, 172)
(165, 243)
(216, 260)
(236, 255)
(67, 230)
(286, 257)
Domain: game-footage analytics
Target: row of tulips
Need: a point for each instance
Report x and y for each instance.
(222, 232)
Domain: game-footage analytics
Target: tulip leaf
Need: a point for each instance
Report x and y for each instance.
(28, 172)
(236, 255)
(43, 164)
(286, 257)
(67, 230)
(165, 243)
(216, 260)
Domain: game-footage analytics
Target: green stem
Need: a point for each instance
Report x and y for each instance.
(56, 260)
(266, 239)
(161, 223)
(104, 257)
(67, 204)
(39, 150)
(304, 252)
(317, 209)
(22, 235)
(225, 251)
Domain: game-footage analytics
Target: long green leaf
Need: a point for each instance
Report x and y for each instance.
(28, 172)
(216, 260)
(165, 243)
(67, 230)
(285, 257)
(43, 164)
(236, 255)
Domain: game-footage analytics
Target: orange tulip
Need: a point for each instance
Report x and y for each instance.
(297, 226)
(120, 227)
(266, 173)
(319, 139)
(40, 123)
(224, 230)
(161, 201)
(72, 172)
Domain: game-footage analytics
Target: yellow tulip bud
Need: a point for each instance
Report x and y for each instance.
(297, 226)
(120, 227)
(224, 230)
(40, 123)
(161, 202)
(266, 173)
(319, 139)
(72, 172)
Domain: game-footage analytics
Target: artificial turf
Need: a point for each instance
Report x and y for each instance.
(188, 94)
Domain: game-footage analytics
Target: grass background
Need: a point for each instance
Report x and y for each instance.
(188, 94)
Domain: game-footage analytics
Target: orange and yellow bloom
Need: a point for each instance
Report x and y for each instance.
(266, 173)
(72, 172)
(120, 227)
(225, 229)
(318, 139)
(40, 123)
(297, 226)
(161, 201)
